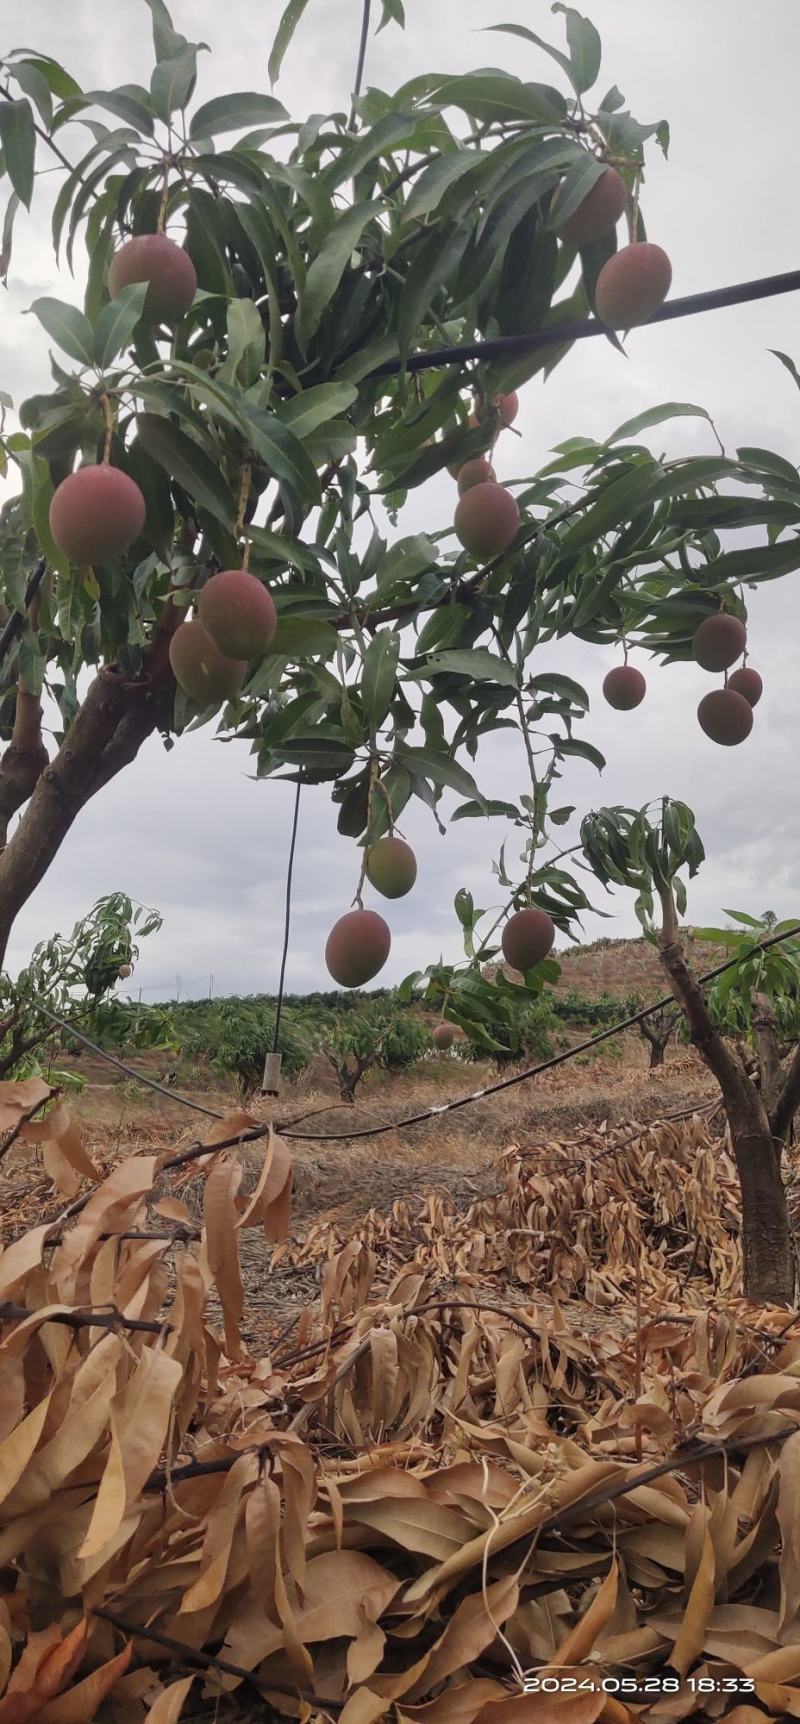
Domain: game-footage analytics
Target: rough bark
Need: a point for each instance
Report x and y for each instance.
(769, 1271)
(117, 715)
(24, 761)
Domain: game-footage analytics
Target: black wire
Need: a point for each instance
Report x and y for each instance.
(287, 918)
(362, 55)
(533, 1071)
(506, 346)
(442, 1107)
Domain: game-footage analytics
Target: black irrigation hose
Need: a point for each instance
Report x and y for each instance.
(506, 346)
(287, 918)
(442, 1107)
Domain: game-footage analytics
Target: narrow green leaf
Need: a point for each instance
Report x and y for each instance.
(584, 750)
(655, 416)
(32, 81)
(18, 142)
(283, 36)
(527, 35)
(393, 13)
(117, 322)
(329, 266)
(245, 344)
(489, 96)
(298, 638)
(282, 451)
(303, 413)
(67, 326)
(585, 47)
(58, 81)
(564, 687)
(437, 179)
(442, 769)
(129, 103)
(478, 811)
(167, 41)
(477, 663)
(575, 186)
(228, 113)
(173, 81)
(789, 363)
(185, 461)
(8, 230)
(379, 673)
(435, 261)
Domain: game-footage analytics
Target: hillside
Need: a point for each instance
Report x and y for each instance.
(623, 967)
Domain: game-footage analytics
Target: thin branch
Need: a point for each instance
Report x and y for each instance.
(208, 1661)
(16, 621)
(84, 1319)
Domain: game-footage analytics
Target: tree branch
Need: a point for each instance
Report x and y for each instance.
(24, 761)
(788, 1100)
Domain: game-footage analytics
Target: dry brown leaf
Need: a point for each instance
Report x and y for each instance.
(80, 1703)
(221, 1245)
(788, 1513)
(140, 1417)
(580, 1640)
(169, 1705)
(20, 1097)
(52, 1672)
(700, 1603)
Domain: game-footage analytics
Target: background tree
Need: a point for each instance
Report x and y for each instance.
(72, 977)
(258, 365)
(634, 849)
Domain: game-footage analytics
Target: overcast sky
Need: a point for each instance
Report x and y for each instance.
(190, 832)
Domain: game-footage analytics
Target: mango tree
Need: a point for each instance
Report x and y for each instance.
(647, 851)
(280, 342)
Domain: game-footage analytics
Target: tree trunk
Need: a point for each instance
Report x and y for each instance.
(768, 1256)
(769, 1267)
(116, 717)
(658, 1049)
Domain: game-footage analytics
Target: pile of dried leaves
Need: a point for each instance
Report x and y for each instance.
(589, 1216)
(434, 1506)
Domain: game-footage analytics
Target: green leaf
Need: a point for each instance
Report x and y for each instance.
(442, 769)
(789, 363)
(303, 413)
(564, 687)
(496, 96)
(34, 84)
(329, 266)
(297, 638)
(655, 416)
(173, 81)
(8, 230)
(228, 113)
(477, 663)
(584, 750)
(129, 103)
(575, 186)
(393, 13)
(117, 322)
(67, 326)
(58, 81)
(283, 36)
(479, 811)
(281, 450)
(18, 142)
(167, 41)
(437, 179)
(379, 674)
(527, 35)
(435, 260)
(187, 463)
(245, 344)
(585, 47)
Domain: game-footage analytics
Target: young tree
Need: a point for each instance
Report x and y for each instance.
(657, 1030)
(629, 847)
(71, 977)
(389, 1039)
(265, 351)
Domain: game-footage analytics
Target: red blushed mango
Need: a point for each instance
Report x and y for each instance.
(153, 258)
(96, 513)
